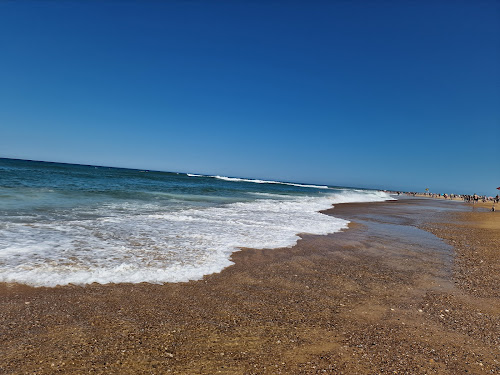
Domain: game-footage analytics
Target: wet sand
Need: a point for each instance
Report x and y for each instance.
(385, 296)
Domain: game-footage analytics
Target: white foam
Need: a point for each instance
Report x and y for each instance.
(256, 181)
(234, 179)
(156, 246)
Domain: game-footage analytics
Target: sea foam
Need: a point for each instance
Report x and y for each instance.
(256, 181)
(129, 244)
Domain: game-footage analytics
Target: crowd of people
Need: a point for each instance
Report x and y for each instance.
(467, 198)
(476, 198)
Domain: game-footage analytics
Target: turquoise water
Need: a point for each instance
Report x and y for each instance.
(65, 223)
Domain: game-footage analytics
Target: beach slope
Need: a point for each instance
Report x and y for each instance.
(410, 287)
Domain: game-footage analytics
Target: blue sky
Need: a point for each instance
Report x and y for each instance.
(383, 94)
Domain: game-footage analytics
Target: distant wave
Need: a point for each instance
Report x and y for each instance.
(234, 179)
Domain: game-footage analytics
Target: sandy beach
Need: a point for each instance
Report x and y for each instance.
(410, 288)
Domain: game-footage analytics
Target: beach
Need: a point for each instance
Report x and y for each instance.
(411, 287)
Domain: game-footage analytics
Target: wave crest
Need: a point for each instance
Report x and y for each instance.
(256, 181)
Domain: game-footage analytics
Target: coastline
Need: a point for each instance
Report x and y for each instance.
(382, 296)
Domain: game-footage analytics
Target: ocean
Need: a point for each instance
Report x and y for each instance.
(75, 224)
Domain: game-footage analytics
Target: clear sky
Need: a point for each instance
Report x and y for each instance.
(383, 94)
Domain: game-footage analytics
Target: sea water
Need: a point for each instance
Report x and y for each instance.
(73, 224)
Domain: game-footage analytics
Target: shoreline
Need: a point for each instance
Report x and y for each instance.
(383, 296)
